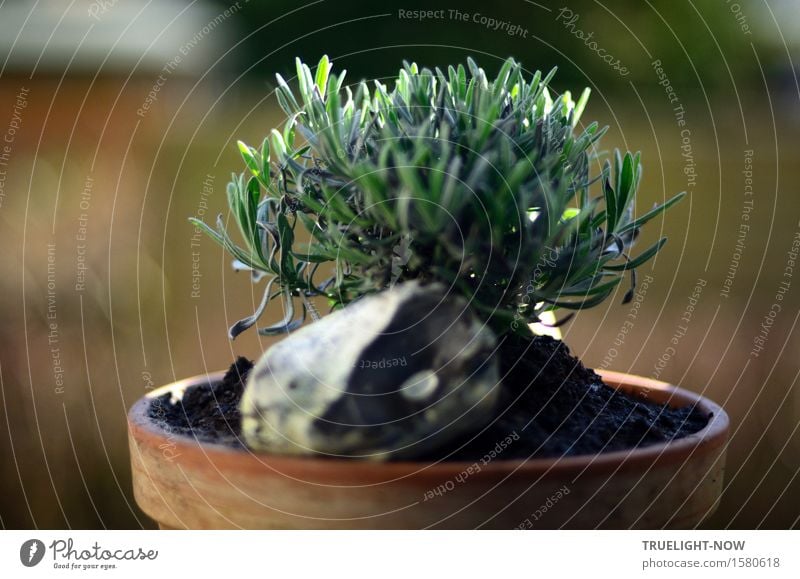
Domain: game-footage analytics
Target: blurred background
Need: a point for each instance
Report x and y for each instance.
(118, 120)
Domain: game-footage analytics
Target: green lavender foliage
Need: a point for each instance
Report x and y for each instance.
(484, 183)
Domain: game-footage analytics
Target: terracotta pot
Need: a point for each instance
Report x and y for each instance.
(185, 484)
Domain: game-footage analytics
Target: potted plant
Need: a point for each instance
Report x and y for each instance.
(443, 221)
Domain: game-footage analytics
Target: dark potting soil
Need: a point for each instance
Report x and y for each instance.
(554, 406)
(551, 405)
(209, 412)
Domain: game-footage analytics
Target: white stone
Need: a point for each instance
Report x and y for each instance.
(394, 375)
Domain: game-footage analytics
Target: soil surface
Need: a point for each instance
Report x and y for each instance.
(208, 411)
(552, 406)
(558, 407)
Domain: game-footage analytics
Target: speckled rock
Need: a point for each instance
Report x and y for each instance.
(394, 375)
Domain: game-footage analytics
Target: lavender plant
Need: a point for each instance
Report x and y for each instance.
(484, 185)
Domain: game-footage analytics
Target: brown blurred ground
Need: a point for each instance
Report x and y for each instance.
(84, 164)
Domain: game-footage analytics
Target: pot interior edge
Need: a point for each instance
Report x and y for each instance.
(714, 434)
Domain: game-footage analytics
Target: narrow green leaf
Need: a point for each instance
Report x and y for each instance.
(250, 321)
(323, 70)
(249, 156)
(640, 259)
(610, 197)
(580, 106)
(638, 222)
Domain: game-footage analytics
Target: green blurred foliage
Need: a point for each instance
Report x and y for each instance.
(698, 42)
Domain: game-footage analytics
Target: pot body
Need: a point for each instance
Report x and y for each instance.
(182, 483)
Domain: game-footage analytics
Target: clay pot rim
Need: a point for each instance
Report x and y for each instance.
(365, 473)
